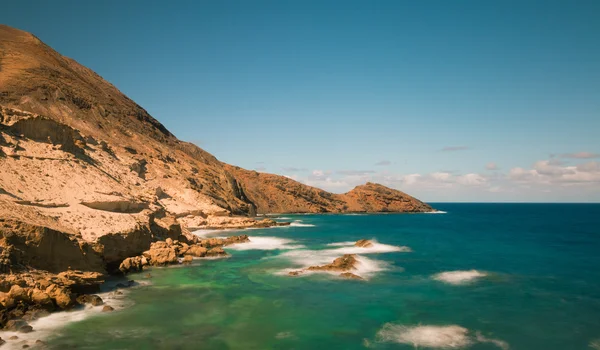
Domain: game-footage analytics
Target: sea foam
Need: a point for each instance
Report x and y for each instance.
(366, 267)
(266, 243)
(438, 337)
(441, 337)
(299, 223)
(459, 277)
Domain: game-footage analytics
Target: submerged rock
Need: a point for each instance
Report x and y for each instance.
(350, 275)
(18, 326)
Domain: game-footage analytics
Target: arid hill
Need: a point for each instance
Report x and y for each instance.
(88, 178)
(279, 194)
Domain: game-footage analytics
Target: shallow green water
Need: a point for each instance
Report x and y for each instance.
(541, 288)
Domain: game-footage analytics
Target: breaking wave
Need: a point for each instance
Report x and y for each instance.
(459, 277)
(299, 223)
(437, 337)
(366, 267)
(266, 243)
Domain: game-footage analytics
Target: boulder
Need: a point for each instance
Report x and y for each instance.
(107, 308)
(188, 259)
(18, 293)
(161, 256)
(61, 295)
(41, 298)
(133, 264)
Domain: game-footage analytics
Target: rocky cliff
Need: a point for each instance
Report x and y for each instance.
(88, 178)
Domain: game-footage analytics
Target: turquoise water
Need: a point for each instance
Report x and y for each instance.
(539, 287)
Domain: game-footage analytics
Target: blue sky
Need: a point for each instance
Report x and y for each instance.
(446, 100)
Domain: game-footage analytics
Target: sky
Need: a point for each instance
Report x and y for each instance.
(489, 101)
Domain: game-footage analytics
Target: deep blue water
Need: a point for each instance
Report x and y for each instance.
(540, 289)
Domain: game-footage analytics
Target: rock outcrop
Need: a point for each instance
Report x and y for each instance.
(363, 243)
(343, 264)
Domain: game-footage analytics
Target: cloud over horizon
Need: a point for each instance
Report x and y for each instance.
(580, 155)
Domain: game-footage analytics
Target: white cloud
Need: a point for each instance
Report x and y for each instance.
(441, 176)
(491, 166)
(547, 172)
(580, 155)
(471, 180)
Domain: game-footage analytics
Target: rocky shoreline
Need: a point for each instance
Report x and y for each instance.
(28, 292)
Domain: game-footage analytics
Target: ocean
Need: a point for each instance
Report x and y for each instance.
(478, 276)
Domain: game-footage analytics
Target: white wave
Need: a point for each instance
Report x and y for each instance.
(51, 325)
(436, 212)
(304, 258)
(459, 277)
(375, 248)
(365, 267)
(203, 233)
(283, 218)
(499, 343)
(441, 337)
(265, 243)
(298, 223)
(341, 244)
(595, 344)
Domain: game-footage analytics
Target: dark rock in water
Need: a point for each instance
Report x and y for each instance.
(2, 341)
(107, 308)
(39, 342)
(32, 315)
(93, 299)
(26, 329)
(14, 337)
(148, 275)
(118, 292)
(25, 346)
(295, 273)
